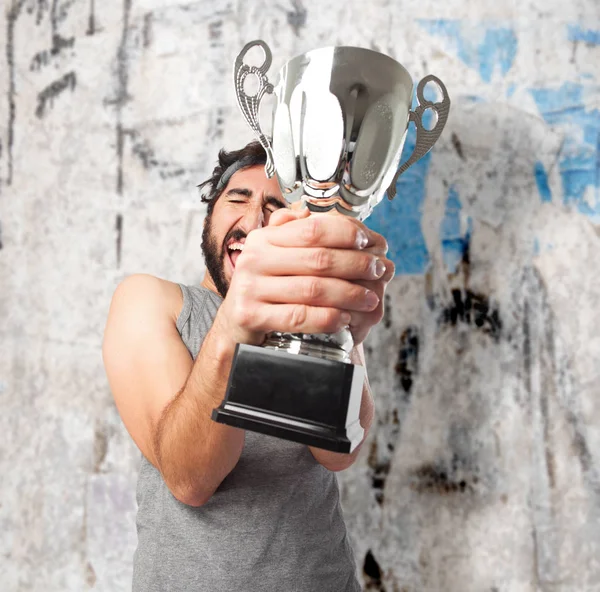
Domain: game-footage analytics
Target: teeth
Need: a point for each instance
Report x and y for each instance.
(236, 247)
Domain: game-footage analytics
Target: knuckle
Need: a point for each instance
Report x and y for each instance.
(243, 316)
(331, 319)
(255, 238)
(298, 316)
(367, 265)
(376, 316)
(244, 285)
(251, 256)
(312, 230)
(312, 290)
(390, 270)
(321, 260)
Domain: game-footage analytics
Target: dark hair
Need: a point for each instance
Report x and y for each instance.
(253, 153)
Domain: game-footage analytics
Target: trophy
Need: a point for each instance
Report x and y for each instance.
(339, 123)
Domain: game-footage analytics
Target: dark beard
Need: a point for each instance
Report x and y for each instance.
(214, 255)
(214, 258)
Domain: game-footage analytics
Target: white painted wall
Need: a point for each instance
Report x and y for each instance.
(482, 471)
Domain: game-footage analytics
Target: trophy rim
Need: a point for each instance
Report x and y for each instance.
(358, 49)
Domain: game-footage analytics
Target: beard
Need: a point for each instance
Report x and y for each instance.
(214, 255)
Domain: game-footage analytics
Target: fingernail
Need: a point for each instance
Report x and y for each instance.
(346, 318)
(379, 268)
(361, 239)
(371, 299)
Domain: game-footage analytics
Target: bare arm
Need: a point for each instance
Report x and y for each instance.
(337, 461)
(165, 398)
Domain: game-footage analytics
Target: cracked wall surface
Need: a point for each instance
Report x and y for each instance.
(482, 469)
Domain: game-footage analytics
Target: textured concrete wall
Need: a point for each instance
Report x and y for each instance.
(482, 471)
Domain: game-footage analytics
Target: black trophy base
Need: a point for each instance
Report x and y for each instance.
(296, 397)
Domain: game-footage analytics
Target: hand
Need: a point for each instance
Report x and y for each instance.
(361, 322)
(301, 274)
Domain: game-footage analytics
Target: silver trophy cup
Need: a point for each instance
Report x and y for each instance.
(339, 123)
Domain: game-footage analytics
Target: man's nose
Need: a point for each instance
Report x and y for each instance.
(254, 218)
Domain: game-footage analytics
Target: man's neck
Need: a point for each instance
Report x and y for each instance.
(208, 283)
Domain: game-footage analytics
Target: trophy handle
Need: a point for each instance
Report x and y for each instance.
(425, 138)
(249, 105)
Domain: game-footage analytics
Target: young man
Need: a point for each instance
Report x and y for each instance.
(221, 509)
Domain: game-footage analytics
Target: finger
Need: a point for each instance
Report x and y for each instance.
(318, 231)
(361, 323)
(346, 264)
(284, 215)
(376, 241)
(315, 291)
(298, 318)
(380, 250)
(379, 284)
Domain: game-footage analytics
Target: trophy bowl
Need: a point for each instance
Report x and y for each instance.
(340, 120)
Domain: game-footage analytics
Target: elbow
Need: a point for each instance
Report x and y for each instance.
(190, 497)
(339, 466)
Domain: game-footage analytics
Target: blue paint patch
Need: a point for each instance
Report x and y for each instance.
(536, 247)
(453, 238)
(399, 220)
(496, 50)
(577, 33)
(541, 178)
(579, 161)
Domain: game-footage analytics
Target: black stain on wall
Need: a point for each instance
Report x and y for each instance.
(456, 476)
(122, 95)
(382, 448)
(472, 309)
(100, 447)
(46, 97)
(142, 149)
(217, 121)
(387, 311)
(119, 245)
(42, 58)
(91, 30)
(538, 344)
(372, 573)
(380, 470)
(147, 29)
(11, 19)
(457, 146)
(215, 32)
(408, 358)
(296, 18)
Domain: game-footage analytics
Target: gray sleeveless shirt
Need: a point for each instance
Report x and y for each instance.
(274, 524)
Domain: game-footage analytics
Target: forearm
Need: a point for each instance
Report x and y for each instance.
(195, 453)
(336, 461)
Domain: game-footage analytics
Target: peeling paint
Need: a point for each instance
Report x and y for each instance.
(566, 107)
(487, 48)
(399, 220)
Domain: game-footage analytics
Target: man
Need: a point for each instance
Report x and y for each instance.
(220, 508)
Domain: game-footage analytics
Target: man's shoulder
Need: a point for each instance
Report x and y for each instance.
(145, 293)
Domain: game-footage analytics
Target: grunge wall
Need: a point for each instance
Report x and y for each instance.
(482, 470)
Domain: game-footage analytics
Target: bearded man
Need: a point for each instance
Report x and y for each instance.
(219, 508)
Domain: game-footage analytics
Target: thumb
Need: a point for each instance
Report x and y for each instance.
(283, 215)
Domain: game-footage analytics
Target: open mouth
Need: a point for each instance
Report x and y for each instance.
(234, 250)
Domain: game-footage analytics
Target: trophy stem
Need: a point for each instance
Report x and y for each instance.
(293, 343)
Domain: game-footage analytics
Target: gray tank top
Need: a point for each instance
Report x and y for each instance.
(274, 524)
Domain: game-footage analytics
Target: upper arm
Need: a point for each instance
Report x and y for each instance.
(145, 359)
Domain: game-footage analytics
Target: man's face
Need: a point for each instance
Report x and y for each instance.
(245, 204)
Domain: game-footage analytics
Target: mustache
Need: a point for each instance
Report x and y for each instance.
(235, 235)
